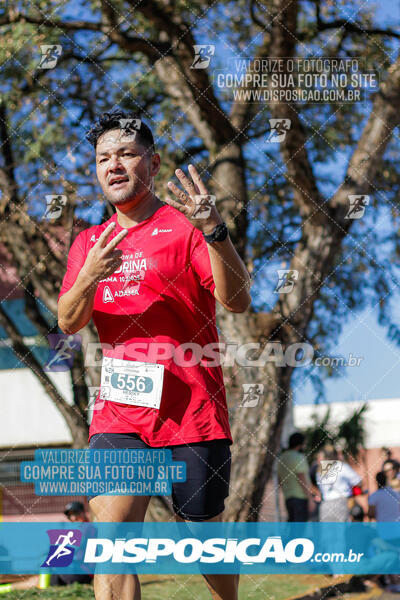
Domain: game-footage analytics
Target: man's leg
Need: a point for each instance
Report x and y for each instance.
(221, 586)
(301, 510)
(290, 509)
(202, 495)
(117, 509)
(297, 510)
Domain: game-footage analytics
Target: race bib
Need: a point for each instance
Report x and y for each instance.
(131, 382)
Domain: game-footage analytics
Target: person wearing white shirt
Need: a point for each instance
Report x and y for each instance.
(335, 479)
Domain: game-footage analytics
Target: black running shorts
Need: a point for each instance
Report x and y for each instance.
(208, 466)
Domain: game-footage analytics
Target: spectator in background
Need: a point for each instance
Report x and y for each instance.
(335, 479)
(314, 515)
(391, 471)
(388, 454)
(295, 481)
(75, 512)
(384, 504)
(377, 552)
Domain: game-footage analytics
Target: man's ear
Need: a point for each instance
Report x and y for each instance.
(155, 164)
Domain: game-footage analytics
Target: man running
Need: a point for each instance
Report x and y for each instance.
(176, 266)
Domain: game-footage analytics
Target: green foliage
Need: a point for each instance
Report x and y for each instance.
(352, 432)
(318, 434)
(349, 434)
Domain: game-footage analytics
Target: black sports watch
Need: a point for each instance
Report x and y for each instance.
(218, 234)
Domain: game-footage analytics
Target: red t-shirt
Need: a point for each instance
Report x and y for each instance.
(159, 299)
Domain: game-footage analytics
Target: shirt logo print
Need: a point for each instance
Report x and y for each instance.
(107, 295)
(156, 231)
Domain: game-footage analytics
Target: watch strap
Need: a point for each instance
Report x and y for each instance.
(218, 234)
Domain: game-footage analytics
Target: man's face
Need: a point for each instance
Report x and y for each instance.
(125, 169)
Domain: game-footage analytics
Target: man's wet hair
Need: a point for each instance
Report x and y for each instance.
(112, 120)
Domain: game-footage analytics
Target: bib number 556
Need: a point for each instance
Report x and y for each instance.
(131, 383)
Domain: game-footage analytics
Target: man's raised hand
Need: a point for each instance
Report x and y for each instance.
(191, 203)
(104, 258)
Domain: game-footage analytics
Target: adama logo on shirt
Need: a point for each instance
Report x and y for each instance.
(107, 295)
(156, 231)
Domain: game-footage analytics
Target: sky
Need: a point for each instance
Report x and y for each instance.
(377, 374)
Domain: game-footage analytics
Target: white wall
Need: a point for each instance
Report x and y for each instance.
(382, 419)
(28, 416)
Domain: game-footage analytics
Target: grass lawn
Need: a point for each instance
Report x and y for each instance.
(190, 587)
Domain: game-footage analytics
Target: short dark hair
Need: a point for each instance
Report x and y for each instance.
(74, 507)
(112, 120)
(381, 479)
(296, 439)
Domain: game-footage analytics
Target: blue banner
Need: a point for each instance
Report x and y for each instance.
(258, 548)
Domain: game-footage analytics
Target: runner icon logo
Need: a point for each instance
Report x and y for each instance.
(50, 55)
(287, 279)
(203, 205)
(54, 206)
(202, 56)
(279, 129)
(62, 547)
(62, 348)
(358, 203)
(330, 470)
(252, 393)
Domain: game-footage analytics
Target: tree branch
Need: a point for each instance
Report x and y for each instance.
(368, 155)
(151, 48)
(348, 27)
(299, 170)
(190, 88)
(8, 173)
(33, 313)
(255, 19)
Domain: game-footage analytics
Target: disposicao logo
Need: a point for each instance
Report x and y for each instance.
(63, 543)
(190, 550)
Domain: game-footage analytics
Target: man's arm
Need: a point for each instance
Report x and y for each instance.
(231, 278)
(232, 281)
(75, 307)
(306, 485)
